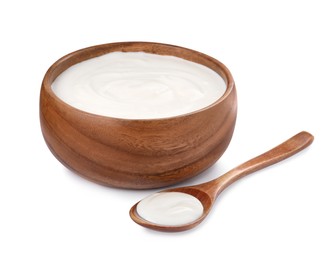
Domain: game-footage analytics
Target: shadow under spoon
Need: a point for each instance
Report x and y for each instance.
(207, 192)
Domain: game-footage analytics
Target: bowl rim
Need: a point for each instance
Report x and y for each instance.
(91, 52)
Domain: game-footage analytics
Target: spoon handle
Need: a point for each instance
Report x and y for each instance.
(290, 147)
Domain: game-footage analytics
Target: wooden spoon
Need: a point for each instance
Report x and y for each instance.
(207, 192)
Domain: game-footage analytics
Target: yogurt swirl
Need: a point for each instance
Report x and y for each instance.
(138, 85)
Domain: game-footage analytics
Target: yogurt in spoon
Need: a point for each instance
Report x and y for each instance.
(170, 208)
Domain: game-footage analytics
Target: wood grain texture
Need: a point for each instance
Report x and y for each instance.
(209, 191)
(137, 154)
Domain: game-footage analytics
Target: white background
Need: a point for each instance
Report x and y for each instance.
(282, 56)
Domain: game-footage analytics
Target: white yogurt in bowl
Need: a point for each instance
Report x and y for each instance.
(138, 85)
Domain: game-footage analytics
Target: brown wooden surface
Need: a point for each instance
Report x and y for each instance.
(209, 191)
(137, 154)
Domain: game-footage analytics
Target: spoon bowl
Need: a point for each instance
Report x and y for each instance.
(205, 199)
(207, 192)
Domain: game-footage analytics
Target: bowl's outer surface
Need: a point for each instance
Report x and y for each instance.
(137, 154)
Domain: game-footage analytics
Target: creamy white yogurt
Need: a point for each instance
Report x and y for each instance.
(170, 208)
(138, 85)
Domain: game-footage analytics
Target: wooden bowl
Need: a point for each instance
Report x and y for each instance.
(137, 154)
